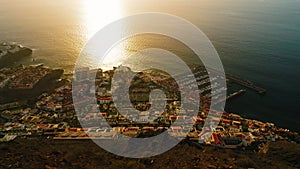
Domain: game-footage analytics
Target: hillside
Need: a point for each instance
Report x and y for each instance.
(48, 153)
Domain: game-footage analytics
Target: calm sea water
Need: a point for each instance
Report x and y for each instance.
(256, 39)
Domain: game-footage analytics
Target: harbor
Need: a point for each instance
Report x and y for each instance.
(246, 83)
(232, 95)
(232, 78)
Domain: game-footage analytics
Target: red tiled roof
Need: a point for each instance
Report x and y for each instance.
(216, 138)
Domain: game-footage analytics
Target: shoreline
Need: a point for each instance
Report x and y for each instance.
(11, 53)
(54, 107)
(69, 77)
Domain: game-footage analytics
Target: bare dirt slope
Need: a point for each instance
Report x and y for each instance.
(47, 153)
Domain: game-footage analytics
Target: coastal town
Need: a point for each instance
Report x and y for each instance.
(51, 114)
(143, 84)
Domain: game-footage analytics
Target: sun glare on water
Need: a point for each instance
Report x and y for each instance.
(97, 14)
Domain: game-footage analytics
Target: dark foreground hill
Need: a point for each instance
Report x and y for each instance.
(47, 153)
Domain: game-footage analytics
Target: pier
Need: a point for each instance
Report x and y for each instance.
(246, 83)
(240, 81)
(231, 96)
(240, 92)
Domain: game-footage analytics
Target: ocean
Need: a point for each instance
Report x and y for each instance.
(257, 40)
